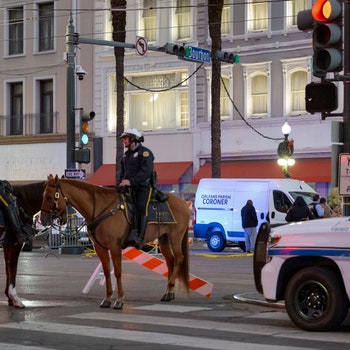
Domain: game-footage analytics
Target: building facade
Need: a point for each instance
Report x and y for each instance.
(169, 99)
(33, 85)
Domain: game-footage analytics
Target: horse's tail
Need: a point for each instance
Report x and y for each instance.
(184, 269)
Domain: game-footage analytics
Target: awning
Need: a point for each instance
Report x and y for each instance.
(309, 170)
(169, 173)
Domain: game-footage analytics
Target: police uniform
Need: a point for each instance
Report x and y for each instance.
(137, 167)
(9, 208)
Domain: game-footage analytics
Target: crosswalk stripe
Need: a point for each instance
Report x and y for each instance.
(268, 330)
(171, 308)
(143, 337)
(5, 346)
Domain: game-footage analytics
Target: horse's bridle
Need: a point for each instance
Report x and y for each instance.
(56, 213)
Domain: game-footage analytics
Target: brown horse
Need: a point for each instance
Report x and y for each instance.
(29, 198)
(108, 228)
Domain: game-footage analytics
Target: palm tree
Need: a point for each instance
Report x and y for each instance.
(214, 18)
(119, 34)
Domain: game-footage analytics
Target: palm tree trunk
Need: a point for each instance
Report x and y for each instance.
(119, 34)
(214, 18)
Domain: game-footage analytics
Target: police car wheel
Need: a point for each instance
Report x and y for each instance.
(216, 242)
(316, 300)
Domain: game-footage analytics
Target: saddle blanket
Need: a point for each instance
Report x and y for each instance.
(160, 213)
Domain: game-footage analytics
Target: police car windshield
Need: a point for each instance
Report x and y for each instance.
(306, 196)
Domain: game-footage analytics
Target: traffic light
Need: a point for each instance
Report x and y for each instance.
(82, 155)
(84, 126)
(321, 97)
(325, 19)
(228, 57)
(327, 37)
(175, 49)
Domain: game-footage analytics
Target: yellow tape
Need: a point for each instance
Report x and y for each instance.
(239, 255)
(3, 200)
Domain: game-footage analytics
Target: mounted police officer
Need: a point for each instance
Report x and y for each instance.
(9, 208)
(136, 172)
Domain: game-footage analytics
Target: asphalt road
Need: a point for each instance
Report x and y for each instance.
(58, 315)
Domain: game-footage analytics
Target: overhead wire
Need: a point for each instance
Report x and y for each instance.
(65, 11)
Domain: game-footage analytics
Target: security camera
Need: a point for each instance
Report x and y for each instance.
(80, 72)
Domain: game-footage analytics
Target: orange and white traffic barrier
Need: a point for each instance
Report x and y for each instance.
(152, 263)
(190, 206)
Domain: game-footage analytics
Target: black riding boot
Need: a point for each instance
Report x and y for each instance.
(136, 235)
(15, 225)
(142, 228)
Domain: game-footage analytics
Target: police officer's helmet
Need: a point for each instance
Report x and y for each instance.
(134, 135)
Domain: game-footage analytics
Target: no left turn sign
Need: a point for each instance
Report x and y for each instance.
(141, 46)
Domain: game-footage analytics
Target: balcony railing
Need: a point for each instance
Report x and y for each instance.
(28, 124)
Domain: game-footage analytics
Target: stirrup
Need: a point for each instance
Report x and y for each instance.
(133, 240)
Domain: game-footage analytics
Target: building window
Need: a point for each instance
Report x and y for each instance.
(257, 84)
(296, 75)
(225, 93)
(108, 24)
(184, 110)
(225, 103)
(298, 82)
(46, 106)
(257, 15)
(15, 31)
(259, 95)
(153, 102)
(225, 18)
(183, 18)
(16, 109)
(149, 20)
(292, 9)
(46, 26)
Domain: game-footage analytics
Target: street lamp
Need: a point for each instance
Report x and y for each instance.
(285, 151)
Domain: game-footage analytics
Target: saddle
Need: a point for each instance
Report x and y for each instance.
(158, 209)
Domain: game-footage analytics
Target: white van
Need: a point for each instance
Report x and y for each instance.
(218, 204)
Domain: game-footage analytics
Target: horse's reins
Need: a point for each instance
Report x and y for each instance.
(95, 220)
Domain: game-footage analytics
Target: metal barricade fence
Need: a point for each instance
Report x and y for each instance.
(71, 238)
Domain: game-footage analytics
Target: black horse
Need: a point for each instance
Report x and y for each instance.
(29, 198)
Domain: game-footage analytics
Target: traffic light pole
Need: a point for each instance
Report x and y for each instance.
(70, 91)
(346, 110)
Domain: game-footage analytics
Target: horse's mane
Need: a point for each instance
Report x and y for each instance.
(30, 189)
(29, 196)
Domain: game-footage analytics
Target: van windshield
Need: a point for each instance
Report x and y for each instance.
(307, 196)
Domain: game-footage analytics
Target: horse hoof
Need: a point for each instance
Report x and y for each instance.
(118, 305)
(105, 303)
(168, 296)
(19, 305)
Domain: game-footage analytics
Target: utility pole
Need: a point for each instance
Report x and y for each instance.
(70, 90)
(346, 111)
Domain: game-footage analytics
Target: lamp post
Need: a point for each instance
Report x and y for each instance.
(285, 151)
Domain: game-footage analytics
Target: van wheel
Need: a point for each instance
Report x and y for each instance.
(316, 299)
(216, 242)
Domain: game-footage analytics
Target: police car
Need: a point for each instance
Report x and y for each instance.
(306, 264)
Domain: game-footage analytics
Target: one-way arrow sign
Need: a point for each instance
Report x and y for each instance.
(75, 174)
